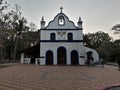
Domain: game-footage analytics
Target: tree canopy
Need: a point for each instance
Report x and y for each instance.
(15, 32)
(94, 40)
(107, 48)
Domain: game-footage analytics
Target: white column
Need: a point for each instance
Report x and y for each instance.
(36, 61)
(68, 57)
(22, 58)
(55, 57)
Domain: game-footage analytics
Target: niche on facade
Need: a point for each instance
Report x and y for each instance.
(61, 20)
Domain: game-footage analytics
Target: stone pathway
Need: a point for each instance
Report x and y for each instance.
(35, 77)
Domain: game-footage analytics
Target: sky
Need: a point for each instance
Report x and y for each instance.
(97, 15)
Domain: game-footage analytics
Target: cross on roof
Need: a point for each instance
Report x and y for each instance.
(61, 8)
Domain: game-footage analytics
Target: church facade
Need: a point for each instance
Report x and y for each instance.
(61, 43)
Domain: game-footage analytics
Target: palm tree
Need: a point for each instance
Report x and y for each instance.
(116, 29)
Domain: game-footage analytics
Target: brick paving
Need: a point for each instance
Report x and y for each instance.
(35, 77)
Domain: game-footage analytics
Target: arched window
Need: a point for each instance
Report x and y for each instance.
(70, 36)
(52, 36)
(61, 20)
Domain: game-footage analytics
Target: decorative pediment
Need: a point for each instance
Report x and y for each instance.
(61, 21)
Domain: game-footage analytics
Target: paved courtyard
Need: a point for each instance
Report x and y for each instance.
(35, 77)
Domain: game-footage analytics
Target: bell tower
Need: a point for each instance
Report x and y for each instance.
(42, 22)
(80, 23)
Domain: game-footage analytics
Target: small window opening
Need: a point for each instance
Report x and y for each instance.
(70, 36)
(52, 36)
(61, 20)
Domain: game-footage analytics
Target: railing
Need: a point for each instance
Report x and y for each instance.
(26, 60)
(37, 61)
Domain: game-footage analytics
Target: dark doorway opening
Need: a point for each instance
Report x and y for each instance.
(74, 58)
(89, 58)
(61, 56)
(32, 60)
(49, 58)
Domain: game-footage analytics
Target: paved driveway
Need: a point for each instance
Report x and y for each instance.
(35, 77)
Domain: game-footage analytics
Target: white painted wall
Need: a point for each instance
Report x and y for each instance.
(54, 24)
(69, 47)
(77, 34)
(95, 54)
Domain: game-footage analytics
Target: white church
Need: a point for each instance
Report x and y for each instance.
(61, 43)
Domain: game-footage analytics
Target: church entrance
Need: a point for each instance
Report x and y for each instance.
(49, 58)
(74, 58)
(61, 56)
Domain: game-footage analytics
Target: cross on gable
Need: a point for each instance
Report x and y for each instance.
(61, 8)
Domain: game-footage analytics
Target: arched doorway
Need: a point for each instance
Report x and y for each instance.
(49, 58)
(74, 58)
(89, 58)
(61, 56)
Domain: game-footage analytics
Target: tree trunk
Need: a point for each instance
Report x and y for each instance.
(0, 54)
(15, 49)
(1, 43)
